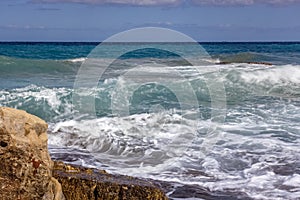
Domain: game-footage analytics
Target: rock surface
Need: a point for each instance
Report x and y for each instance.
(79, 183)
(26, 166)
(28, 173)
(258, 63)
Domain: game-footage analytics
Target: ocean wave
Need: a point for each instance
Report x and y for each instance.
(51, 104)
(32, 67)
(242, 82)
(256, 148)
(256, 153)
(77, 60)
(277, 81)
(244, 57)
(253, 153)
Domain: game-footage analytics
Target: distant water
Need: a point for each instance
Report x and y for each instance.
(255, 155)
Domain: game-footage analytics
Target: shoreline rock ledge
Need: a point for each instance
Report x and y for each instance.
(28, 173)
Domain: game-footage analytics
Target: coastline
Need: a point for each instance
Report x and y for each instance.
(259, 150)
(29, 173)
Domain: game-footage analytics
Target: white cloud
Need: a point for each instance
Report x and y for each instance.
(22, 27)
(119, 2)
(172, 2)
(243, 2)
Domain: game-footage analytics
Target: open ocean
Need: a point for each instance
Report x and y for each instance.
(253, 152)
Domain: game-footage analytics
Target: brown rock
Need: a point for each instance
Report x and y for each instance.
(54, 191)
(259, 63)
(26, 167)
(79, 183)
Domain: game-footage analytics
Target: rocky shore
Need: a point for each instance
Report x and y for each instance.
(28, 173)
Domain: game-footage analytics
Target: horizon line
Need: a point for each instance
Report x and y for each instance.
(217, 41)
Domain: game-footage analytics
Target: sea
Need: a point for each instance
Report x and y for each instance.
(221, 125)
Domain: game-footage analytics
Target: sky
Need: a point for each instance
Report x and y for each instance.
(203, 20)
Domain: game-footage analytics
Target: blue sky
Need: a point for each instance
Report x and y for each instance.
(203, 20)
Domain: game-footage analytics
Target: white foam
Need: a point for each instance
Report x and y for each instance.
(257, 179)
(141, 130)
(274, 75)
(293, 181)
(75, 60)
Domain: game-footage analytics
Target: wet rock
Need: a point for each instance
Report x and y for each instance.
(190, 191)
(258, 63)
(79, 183)
(26, 167)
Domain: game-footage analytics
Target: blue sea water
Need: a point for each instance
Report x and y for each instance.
(250, 152)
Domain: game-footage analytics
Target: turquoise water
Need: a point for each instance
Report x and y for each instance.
(240, 145)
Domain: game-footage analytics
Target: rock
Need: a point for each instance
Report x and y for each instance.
(26, 167)
(54, 191)
(93, 184)
(258, 63)
(28, 173)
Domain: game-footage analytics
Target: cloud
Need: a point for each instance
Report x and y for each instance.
(243, 2)
(48, 9)
(22, 27)
(172, 2)
(118, 2)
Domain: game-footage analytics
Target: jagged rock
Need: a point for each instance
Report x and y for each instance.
(26, 167)
(258, 63)
(79, 183)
